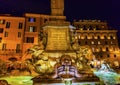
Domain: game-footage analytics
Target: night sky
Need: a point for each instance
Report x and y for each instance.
(108, 10)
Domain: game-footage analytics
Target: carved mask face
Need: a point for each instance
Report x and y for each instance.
(66, 62)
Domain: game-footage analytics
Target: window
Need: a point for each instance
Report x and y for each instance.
(31, 19)
(100, 48)
(86, 37)
(18, 48)
(19, 34)
(114, 37)
(2, 21)
(99, 42)
(6, 34)
(32, 29)
(91, 28)
(30, 40)
(111, 37)
(1, 30)
(102, 26)
(106, 42)
(92, 37)
(84, 27)
(108, 56)
(92, 42)
(115, 56)
(8, 25)
(101, 56)
(79, 42)
(97, 27)
(105, 37)
(81, 28)
(93, 49)
(0, 39)
(98, 37)
(107, 49)
(4, 46)
(111, 42)
(45, 20)
(20, 25)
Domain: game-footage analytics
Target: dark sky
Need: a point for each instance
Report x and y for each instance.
(108, 10)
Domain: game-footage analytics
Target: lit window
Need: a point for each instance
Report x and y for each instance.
(111, 42)
(79, 37)
(94, 28)
(81, 28)
(99, 42)
(108, 37)
(103, 26)
(2, 21)
(93, 49)
(32, 29)
(6, 34)
(114, 37)
(92, 42)
(82, 37)
(8, 25)
(31, 19)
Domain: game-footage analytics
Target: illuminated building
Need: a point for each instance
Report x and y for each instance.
(11, 36)
(52, 42)
(17, 34)
(97, 35)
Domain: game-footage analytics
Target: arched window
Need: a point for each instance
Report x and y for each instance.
(105, 37)
(111, 37)
(107, 49)
(86, 37)
(90, 28)
(84, 27)
(98, 37)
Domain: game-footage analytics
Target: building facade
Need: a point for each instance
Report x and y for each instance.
(11, 36)
(97, 35)
(17, 34)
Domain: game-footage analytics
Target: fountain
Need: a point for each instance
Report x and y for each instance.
(61, 67)
(58, 58)
(107, 74)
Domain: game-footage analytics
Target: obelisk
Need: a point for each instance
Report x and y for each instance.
(57, 7)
